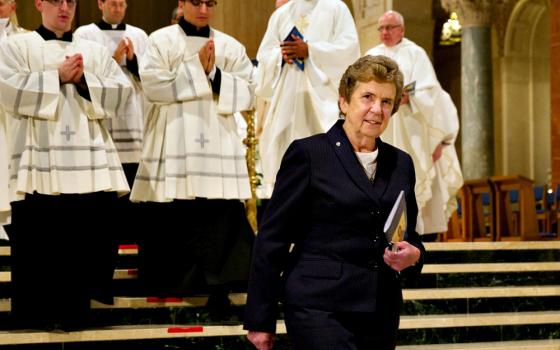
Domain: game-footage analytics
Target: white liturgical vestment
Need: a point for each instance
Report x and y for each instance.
(58, 143)
(126, 129)
(302, 103)
(7, 30)
(191, 146)
(5, 208)
(429, 119)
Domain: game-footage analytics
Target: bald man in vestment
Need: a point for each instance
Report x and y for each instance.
(425, 126)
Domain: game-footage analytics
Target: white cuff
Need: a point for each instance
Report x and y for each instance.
(212, 73)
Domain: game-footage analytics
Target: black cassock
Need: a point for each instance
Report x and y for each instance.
(194, 246)
(62, 255)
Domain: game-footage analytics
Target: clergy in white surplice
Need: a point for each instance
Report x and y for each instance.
(127, 44)
(64, 168)
(8, 26)
(425, 126)
(299, 78)
(193, 166)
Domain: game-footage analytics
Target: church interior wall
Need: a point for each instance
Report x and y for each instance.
(419, 22)
(525, 96)
(366, 14)
(498, 96)
(447, 63)
(541, 100)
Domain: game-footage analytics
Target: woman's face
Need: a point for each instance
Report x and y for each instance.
(369, 109)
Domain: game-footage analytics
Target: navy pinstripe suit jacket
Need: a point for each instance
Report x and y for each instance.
(324, 203)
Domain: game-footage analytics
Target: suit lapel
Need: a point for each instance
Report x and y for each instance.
(385, 165)
(345, 153)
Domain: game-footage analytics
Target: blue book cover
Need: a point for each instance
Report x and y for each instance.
(296, 32)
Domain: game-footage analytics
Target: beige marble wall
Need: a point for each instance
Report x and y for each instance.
(366, 13)
(524, 121)
(419, 22)
(555, 90)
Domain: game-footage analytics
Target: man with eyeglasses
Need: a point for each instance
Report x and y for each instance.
(127, 43)
(298, 77)
(193, 169)
(425, 126)
(65, 172)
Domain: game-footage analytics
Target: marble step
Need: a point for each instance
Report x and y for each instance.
(491, 267)
(120, 333)
(491, 246)
(547, 344)
(119, 274)
(125, 274)
(132, 249)
(239, 299)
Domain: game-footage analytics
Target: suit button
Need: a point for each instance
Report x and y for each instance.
(372, 212)
(375, 266)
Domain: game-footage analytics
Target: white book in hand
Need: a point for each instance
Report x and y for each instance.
(395, 226)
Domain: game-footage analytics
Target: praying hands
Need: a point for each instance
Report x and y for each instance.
(125, 48)
(207, 56)
(72, 69)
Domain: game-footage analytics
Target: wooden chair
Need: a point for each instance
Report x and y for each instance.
(543, 205)
(455, 232)
(477, 206)
(556, 208)
(516, 219)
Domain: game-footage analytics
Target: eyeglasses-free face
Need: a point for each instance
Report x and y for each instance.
(6, 8)
(58, 3)
(208, 3)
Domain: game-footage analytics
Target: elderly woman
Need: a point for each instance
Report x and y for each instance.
(339, 284)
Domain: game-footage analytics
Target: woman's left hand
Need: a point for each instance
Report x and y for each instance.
(405, 256)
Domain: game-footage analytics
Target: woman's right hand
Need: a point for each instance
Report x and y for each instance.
(261, 340)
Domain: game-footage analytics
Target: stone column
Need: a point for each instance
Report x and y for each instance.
(477, 117)
(555, 90)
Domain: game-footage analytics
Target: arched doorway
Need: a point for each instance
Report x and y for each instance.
(525, 92)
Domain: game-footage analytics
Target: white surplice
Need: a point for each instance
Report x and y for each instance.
(5, 208)
(126, 129)
(302, 103)
(10, 30)
(58, 143)
(191, 146)
(429, 119)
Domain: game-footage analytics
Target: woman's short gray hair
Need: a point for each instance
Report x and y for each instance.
(380, 68)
